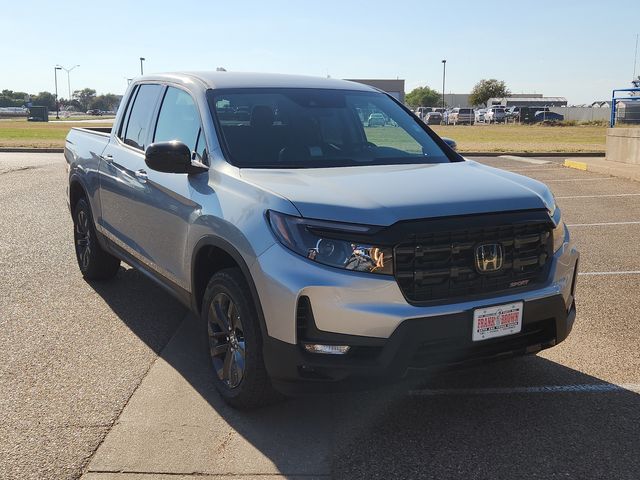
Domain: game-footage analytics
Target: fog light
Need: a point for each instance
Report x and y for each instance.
(327, 349)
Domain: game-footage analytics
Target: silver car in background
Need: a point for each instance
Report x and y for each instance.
(479, 115)
(461, 116)
(495, 115)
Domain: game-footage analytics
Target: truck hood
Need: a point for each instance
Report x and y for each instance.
(385, 194)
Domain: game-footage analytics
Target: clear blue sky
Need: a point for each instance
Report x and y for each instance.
(565, 48)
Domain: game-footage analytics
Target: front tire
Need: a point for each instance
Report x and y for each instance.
(94, 262)
(235, 342)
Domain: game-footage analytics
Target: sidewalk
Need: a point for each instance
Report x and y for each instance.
(600, 165)
(176, 426)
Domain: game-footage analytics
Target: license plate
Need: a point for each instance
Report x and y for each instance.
(497, 321)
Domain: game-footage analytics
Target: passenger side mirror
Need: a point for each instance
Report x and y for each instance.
(172, 157)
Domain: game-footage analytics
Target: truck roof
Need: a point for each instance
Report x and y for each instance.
(216, 79)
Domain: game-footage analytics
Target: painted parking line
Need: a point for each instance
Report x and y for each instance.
(534, 161)
(581, 179)
(601, 195)
(577, 388)
(602, 224)
(535, 169)
(621, 272)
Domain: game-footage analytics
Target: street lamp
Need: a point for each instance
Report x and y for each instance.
(444, 68)
(68, 70)
(142, 59)
(55, 75)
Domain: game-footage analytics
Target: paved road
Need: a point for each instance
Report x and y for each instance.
(70, 357)
(112, 379)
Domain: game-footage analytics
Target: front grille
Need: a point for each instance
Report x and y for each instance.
(440, 265)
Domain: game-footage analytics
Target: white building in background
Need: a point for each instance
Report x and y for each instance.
(528, 100)
(461, 100)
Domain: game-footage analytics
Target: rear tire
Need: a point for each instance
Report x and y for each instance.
(235, 342)
(94, 262)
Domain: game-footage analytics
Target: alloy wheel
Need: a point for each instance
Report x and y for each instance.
(226, 340)
(83, 239)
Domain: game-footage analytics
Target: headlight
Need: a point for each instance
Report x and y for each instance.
(324, 242)
(559, 232)
(558, 236)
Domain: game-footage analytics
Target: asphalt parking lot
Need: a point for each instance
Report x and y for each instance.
(110, 381)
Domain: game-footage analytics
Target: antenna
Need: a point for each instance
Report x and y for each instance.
(635, 57)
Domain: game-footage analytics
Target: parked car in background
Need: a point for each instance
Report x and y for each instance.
(542, 115)
(94, 111)
(512, 113)
(461, 116)
(479, 115)
(376, 119)
(433, 118)
(421, 112)
(495, 115)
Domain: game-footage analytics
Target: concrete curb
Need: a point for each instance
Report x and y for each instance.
(575, 164)
(31, 150)
(533, 154)
(607, 167)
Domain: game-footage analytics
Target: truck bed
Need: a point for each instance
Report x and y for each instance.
(86, 144)
(95, 130)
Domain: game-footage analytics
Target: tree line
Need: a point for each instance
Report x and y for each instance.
(86, 99)
(81, 100)
(480, 94)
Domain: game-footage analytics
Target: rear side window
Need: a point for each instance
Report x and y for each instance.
(138, 121)
(179, 119)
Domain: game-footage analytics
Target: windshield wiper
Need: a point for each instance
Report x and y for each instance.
(317, 164)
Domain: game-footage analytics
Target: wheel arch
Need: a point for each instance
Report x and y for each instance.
(210, 255)
(77, 190)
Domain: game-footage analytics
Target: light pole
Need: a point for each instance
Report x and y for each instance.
(68, 70)
(142, 59)
(55, 75)
(444, 69)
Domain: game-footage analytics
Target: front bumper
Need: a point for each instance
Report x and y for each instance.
(417, 344)
(389, 336)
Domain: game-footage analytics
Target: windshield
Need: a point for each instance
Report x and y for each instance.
(313, 128)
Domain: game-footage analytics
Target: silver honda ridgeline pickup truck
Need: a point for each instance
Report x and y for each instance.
(321, 250)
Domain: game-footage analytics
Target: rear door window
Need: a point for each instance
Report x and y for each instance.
(136, 130)
(127, 113)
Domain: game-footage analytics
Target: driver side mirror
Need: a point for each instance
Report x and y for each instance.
(172, 157)
(451, 143)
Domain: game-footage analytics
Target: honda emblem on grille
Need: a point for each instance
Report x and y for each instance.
(489, 257)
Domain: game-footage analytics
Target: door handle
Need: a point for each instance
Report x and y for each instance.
(107, 158)
(141, 175)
